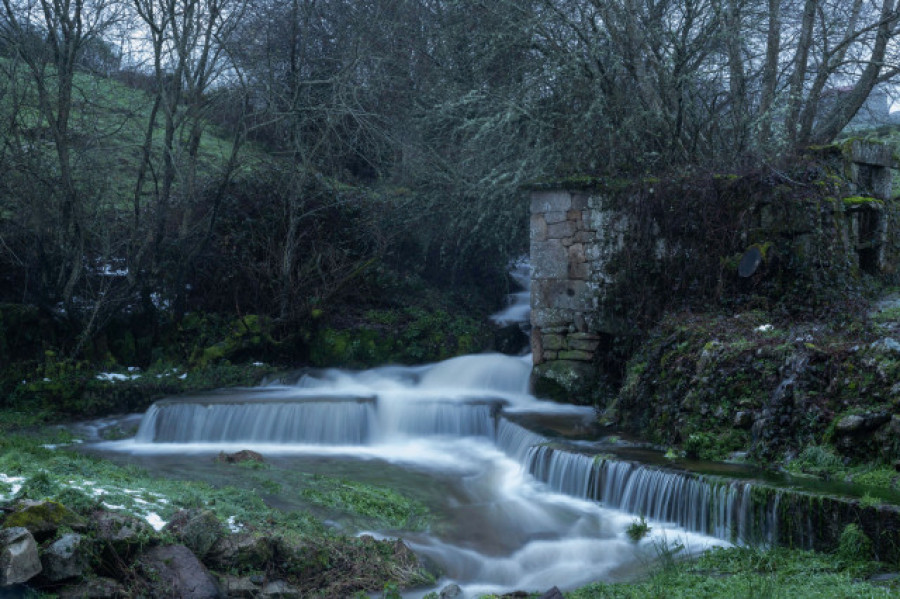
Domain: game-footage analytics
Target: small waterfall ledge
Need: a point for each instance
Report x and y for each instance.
(743, 512)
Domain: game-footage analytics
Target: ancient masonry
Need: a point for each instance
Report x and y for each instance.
(574, 235)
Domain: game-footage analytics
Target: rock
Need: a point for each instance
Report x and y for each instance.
(120, 532)
(244, 455)
(850, 424)
(743, 419)
(279, 589)
(43, 518)
(450, 591)
(176, 572)
(510, 339)
(553, 593)
(197, 529)
(66, 558)
(19, 561)
(857, 423)
(887, 577)
(887, 345)
(239, 587)
(95, 588)
(241, 550)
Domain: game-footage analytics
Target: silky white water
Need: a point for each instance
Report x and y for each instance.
(509, 515)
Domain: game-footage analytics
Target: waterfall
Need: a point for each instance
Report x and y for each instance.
(325, 422)
(709, 505)
(464, 397)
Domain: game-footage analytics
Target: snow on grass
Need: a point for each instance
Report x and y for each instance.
(15, 485)
(155, 521)
(115, 376)
(233, 525)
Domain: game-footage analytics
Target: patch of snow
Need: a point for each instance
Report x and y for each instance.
(115, 376)
(258, 364)
(233, 526)
(155, 521)
(46, 380)
(112, 506)
(14, 481)
(182, 376)
(764, 328)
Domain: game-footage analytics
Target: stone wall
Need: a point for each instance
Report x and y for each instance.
(575, 235)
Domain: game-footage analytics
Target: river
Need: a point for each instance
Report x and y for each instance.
(509, 513)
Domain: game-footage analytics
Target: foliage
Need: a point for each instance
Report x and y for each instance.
(379, 504)
(712, 384)
(638, 529)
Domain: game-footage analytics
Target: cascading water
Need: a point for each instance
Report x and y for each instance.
(521, 513)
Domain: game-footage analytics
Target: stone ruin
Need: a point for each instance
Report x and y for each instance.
(574, 236)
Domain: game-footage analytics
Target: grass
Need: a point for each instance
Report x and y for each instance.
(822, 462)
(108, 124)
(745, 573)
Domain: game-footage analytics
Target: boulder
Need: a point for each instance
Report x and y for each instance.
(197, 529)
(553, 593)
(67, 557)
(19, 560)
(859, 423)
(241, 551)
(451, 591)
(279, 589)
(176, 572)
(245, 455)
(120, 532)
(95, 588)
(43, 518)
(239, 587)
(743, 419)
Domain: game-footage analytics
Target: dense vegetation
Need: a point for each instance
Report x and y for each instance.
(190, 188)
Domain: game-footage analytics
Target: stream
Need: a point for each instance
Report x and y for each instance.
(511, 511)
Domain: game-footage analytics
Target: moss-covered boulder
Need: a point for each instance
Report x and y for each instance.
(43, 518)
(199, 530)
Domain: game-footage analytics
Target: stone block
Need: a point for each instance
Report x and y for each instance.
(549, 259)
(553, 342)
(561, 294)
(877, 154)
(549, 355)
(583, 344)
(576, 355)
(550, 201)
(574, 216)
(555, 217)
(585, 336)
(556, 330)
(561, 230)
(576, 253)
(538, 228)
(579, 271)
(537, 348)
(551, 317)
(580, 201)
